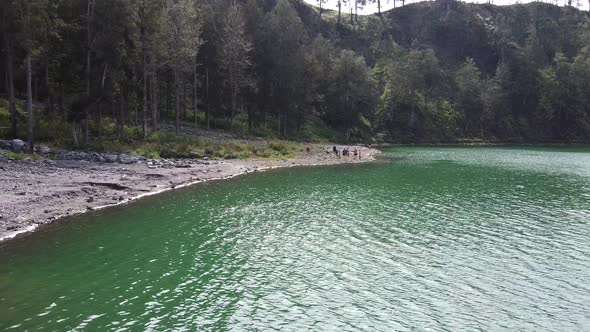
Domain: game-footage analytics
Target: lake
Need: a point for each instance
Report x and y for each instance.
(439, 239)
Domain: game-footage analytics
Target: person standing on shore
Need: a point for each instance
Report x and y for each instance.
(336, 151)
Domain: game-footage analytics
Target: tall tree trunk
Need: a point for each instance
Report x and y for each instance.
(233, 99)
(89, 17)
(99, 125)
(145, 93)
(100, 132)
(379, 7)
(195, 94)
(177, 96)
(74, 134)
(121, 119)
(207, 90)
(285, 124)
(154, 94)
(86, 127)
(11, 98)
(30, 101)
(167, 111)
(60, 104)
(49, 91)
(339, 11)
(250, 119)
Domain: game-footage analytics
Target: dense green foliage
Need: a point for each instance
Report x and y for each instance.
(115, 70)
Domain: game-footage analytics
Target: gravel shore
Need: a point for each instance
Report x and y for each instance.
(37, 192)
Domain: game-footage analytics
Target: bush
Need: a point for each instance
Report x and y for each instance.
(283, 149)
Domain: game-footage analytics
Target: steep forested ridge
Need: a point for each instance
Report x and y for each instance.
(440, 71)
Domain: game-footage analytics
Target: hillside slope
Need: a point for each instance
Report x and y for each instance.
(499, 62)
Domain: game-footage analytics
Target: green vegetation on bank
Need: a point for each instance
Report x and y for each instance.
(168, 145)
(114, 72)
(157, 144)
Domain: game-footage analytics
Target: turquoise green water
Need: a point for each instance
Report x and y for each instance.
(439, 239)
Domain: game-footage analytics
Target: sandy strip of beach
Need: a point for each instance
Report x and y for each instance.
(38, 192)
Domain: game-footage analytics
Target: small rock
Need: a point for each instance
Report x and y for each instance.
(90, 199)
(115, 198)
(205, 158)
(47, 211)
(44, 149)
(110, 158)
(127, 159)
(89, 208)
(121, 198)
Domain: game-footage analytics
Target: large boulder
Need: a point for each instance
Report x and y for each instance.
(17, 145)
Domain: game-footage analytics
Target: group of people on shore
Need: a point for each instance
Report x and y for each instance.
(356, 153)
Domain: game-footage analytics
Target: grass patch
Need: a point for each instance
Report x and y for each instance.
(167, 145)
(22, 156)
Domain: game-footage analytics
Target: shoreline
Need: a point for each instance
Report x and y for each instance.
(34, 193)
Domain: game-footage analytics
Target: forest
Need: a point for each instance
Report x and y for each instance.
(86, 74)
